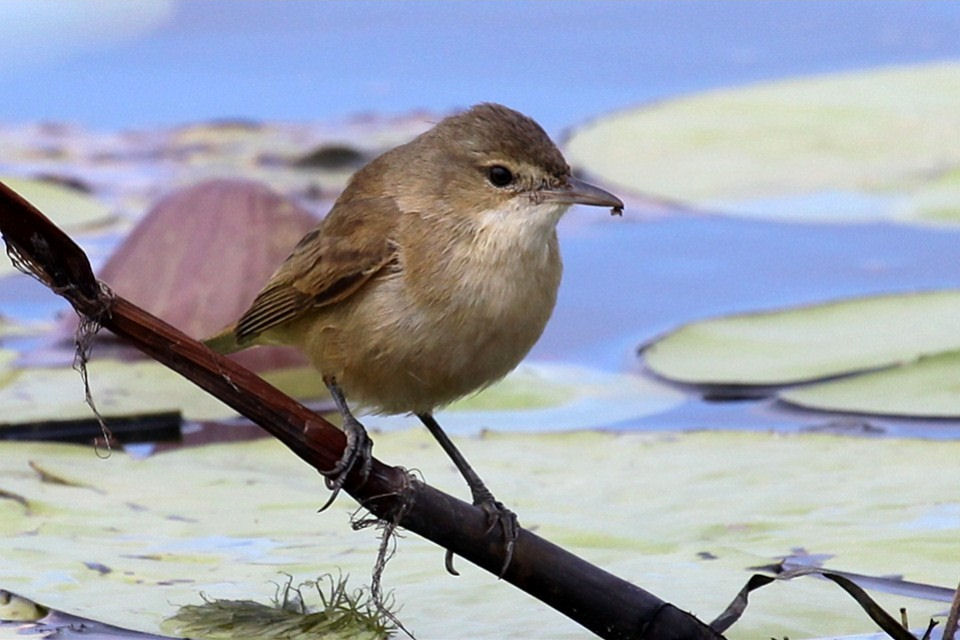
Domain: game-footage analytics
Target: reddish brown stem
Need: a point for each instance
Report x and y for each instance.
(603, 603)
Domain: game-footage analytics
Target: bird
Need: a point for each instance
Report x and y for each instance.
(431, 277)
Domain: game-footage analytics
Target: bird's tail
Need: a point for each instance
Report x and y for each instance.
(224, 342)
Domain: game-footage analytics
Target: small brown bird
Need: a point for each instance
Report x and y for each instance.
(431, 277)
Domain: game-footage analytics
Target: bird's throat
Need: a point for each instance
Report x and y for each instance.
(520, 232)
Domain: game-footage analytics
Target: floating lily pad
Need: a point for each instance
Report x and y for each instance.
(13, 607)
(926, 388)
(7, 373)
(542, 397)
(300, 382)
(809, 343)
(71, 209)
(535, 397)
(848, 146)
(332, 157)
(131, 540)
(118, 388)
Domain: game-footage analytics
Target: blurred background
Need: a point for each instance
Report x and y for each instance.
(120, 65)
(772, 155)
(128, 102)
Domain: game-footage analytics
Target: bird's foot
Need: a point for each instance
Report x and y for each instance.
(358, 451)
(496, 515)
(499, 515)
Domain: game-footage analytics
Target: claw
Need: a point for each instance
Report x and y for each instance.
(495, 511)
(358, 450)
(509, 525)
(448, 563)
(496, 514)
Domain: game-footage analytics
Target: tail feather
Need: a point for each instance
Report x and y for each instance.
(224, 342)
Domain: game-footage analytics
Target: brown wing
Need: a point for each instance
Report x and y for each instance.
(330, 263)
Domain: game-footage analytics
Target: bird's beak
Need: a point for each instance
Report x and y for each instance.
(579, 192)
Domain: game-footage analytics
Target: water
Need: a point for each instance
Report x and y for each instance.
(564, 62)
(626, 282)
(121, 65)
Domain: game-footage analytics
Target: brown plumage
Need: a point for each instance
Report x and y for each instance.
(424, 282)
(434, 273)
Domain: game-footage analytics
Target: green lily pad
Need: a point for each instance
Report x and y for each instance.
(13, 607)
(300, 382)
(552, 397)
(7, 358)
(809, 343)
(130, 540)
(533, 397)
(118, 388)
(876, 144)
(70, 209)
(926, 388)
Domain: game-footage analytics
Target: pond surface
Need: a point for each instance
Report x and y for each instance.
(164, 62)
(626, 280)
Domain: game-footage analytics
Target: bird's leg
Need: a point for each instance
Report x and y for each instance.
(495, 511)
(358, 449)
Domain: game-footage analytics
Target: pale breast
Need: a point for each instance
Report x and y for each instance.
(421, 337)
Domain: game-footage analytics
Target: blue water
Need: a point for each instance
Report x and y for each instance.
(626, 281)
(562, 62)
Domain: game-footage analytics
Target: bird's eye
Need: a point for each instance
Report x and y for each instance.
(499, 175)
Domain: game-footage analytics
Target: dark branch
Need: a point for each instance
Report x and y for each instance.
(603, 603)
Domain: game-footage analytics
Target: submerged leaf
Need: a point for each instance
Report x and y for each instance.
(342, 615)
